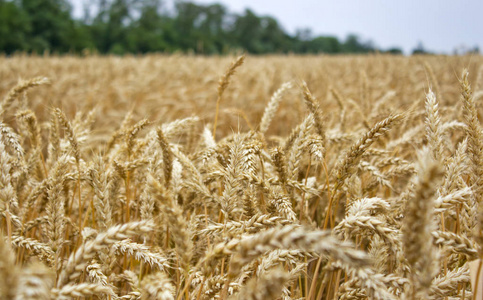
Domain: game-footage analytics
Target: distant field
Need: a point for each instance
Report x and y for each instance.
(272, 177)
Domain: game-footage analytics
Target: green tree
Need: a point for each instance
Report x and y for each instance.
(324, 44)
(246, 32)
(353, 45)
(14, 27)
(188, 19)
(51, 26)
(259, 34)
(146, 33)
(420, 49)
(273, 37)
(142, 26)
(212, 31)
(109, 28)
(394, 50)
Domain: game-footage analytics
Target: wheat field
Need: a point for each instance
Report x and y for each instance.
(271, 177)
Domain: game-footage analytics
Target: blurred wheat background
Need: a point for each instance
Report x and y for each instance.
(269, 177)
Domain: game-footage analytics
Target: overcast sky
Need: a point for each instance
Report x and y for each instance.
(441, 25)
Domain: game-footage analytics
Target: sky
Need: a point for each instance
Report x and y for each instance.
(440, 25)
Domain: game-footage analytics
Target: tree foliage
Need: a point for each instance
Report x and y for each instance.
(142, 26)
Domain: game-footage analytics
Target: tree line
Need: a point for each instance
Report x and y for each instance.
(144, 26)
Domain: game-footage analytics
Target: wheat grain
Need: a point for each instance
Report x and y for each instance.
(90, 206)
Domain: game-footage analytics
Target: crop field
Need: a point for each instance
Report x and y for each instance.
(257, 177)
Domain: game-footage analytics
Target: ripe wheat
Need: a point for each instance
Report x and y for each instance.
(161, 177)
